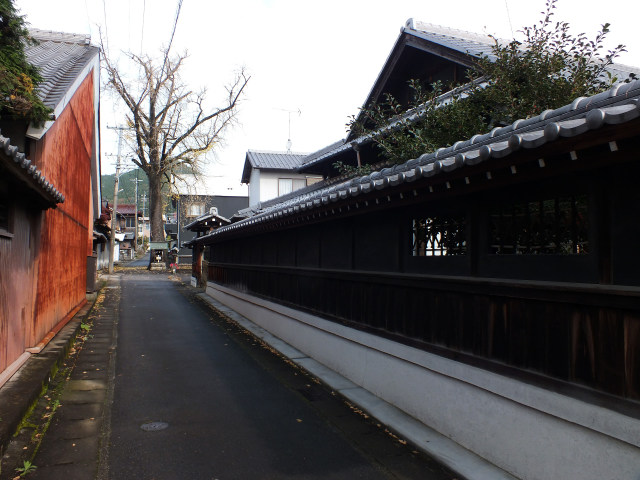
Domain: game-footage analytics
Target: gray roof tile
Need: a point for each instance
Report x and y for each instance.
(618, 105)
(459, 40)
(275, 160)
(61, 57)
(262, 159)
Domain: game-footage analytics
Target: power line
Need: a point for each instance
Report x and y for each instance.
(106, 30)
(173, 32)
(144, 11)
(509, 18)
(175, 25)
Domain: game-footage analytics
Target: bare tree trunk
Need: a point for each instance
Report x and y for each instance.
(155, 208)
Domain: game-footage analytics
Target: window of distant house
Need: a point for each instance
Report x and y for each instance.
(288, 185)
(439, 235)
(130, 222)
(195, 209)
(548, 225)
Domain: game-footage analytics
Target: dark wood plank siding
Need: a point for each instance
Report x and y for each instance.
(18, 267)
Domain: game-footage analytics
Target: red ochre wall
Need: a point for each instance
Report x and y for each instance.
(64, 156)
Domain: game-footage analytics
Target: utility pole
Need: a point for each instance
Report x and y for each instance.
(116, 183)
(144, 209)
(136, 216)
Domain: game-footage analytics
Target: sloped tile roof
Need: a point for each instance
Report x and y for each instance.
(263, 159)
(275, 160)
(459, 40)
(29, 171)
(61, 57)
(470, 43)
(618, 105)
(127, 209)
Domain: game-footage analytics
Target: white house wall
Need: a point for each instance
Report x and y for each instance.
(254, 186)
(263, 184)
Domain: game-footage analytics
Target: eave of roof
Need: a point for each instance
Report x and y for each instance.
(203, 219)
(18, 163)
(618, 105)
(408, 117)
(470, 44)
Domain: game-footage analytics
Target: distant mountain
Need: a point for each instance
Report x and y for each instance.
(127, 193)
(128, 188)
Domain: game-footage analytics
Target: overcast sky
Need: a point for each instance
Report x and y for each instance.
(319, 57)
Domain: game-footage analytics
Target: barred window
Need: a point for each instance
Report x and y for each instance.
(440, 235)
(557, 226)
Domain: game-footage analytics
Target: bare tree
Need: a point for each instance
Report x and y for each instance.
(173, 127)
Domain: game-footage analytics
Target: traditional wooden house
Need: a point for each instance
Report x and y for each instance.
(46, 235)
(491, 290)
(201, 226)
(128, 218)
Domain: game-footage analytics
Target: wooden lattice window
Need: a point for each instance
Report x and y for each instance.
(558, 225)
(439, 235)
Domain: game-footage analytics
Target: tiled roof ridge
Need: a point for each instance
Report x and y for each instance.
(25, 164)
(485, 39)
(56, 36)
(275, 152)
(427, 27)
(617, 105)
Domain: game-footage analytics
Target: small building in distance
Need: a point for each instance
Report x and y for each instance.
(273, 174)
(198, 196)
(126, 225)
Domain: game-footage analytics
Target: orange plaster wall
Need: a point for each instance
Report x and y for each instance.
(64, 155)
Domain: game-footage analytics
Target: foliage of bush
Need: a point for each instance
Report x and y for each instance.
(18, 78)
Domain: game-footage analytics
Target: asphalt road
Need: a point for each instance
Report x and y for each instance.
(140, 262)
(233, 409)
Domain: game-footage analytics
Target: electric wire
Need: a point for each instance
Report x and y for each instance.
(106, 30)
(509, 18)
(173, 32)
(144, 11)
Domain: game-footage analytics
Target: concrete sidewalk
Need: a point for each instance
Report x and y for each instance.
(78, 420)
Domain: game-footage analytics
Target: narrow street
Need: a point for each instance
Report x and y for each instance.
(192, 395)
(234, 410)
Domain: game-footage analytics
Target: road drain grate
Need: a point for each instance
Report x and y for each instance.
(154, 426)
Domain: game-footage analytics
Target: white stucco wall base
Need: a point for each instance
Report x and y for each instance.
(528, 431)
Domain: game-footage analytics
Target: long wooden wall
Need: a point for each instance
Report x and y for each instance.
(64, 154)
(572, 318)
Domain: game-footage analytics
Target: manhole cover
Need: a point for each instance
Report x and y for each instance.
(154, 426)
